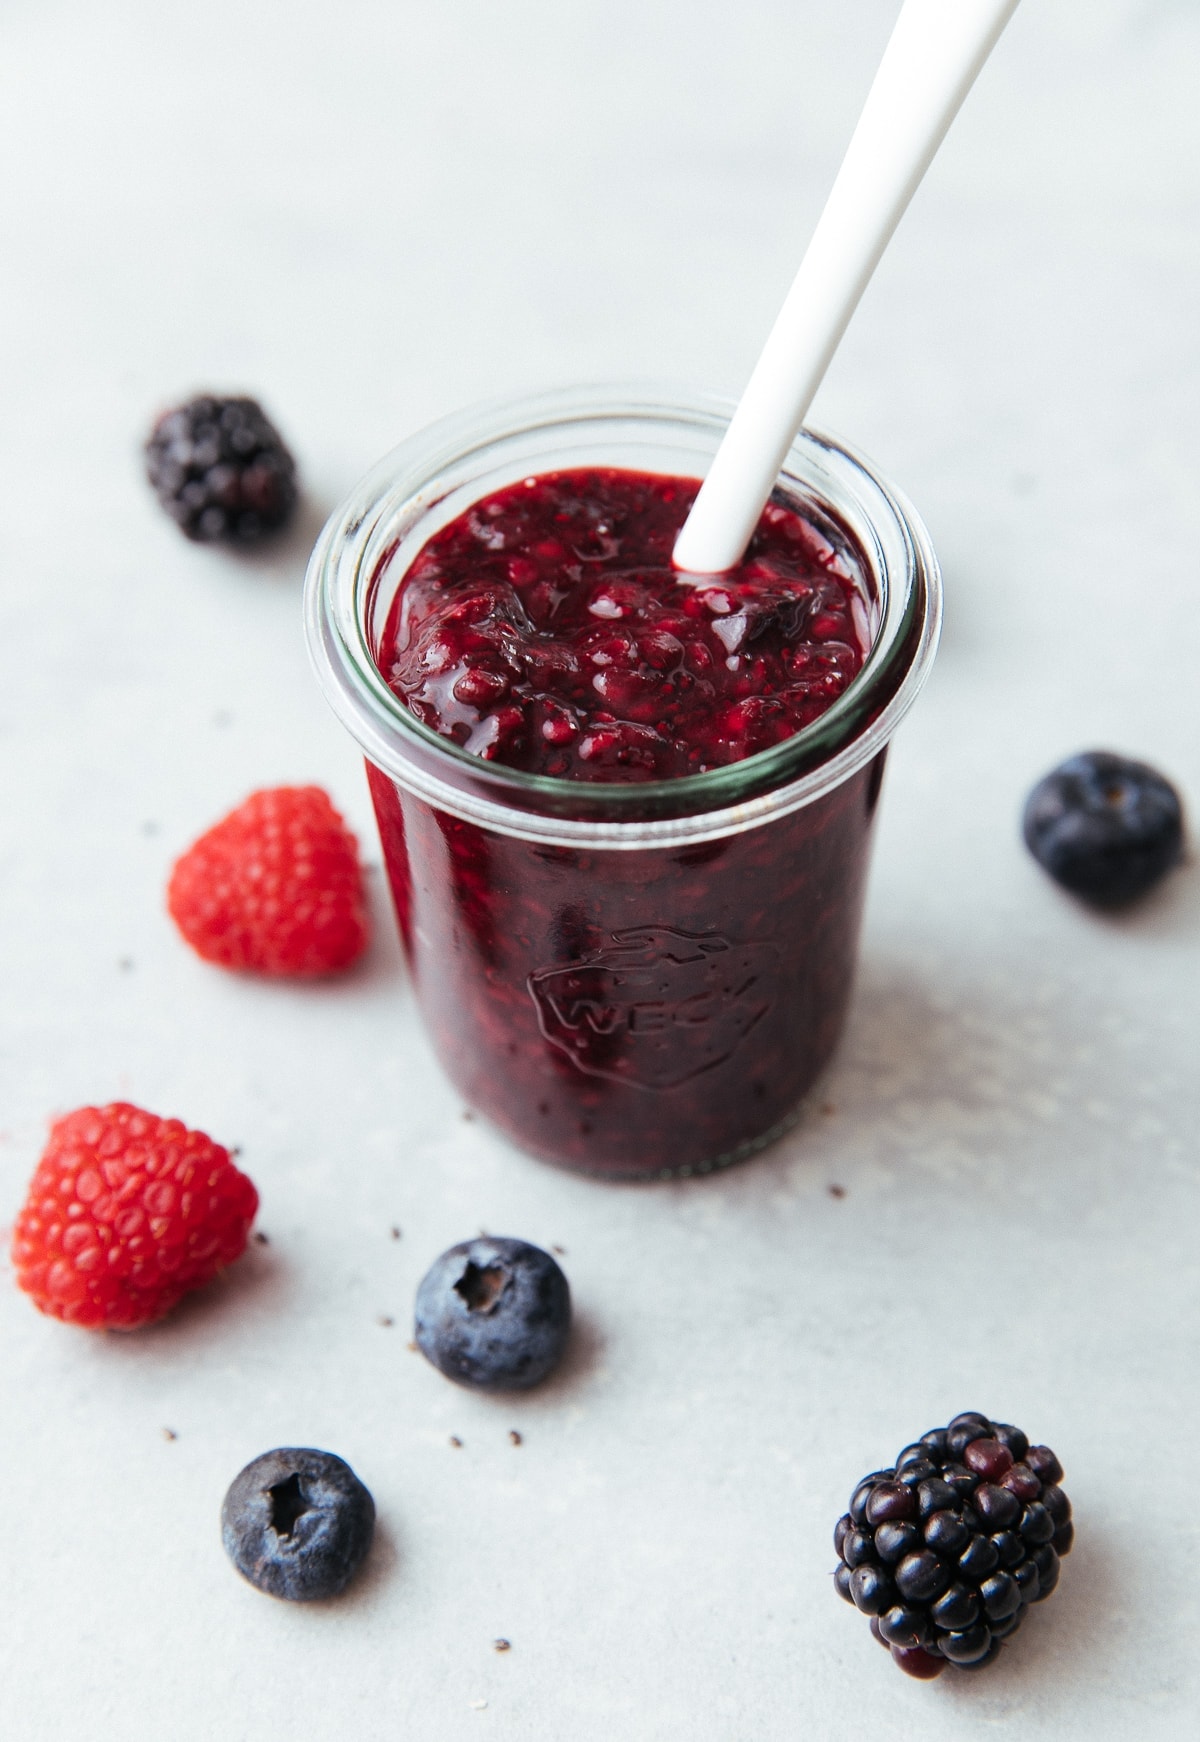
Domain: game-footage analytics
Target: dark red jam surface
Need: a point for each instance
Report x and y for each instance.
(546, 629)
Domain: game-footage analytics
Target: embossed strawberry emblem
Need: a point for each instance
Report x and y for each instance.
(655, 1008)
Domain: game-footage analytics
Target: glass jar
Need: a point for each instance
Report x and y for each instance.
(637, 981)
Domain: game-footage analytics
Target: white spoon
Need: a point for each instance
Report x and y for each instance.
(932, 60)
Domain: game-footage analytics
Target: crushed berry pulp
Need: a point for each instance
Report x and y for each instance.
(546, 629)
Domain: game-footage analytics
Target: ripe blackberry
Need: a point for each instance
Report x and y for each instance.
(946, 1550)
(221, 470)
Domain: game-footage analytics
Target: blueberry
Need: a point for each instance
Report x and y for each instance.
(1104, 827)
(297, 1523)
(494, 1312)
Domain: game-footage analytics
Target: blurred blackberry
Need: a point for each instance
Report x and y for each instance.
(946, 1550)
(221, 470)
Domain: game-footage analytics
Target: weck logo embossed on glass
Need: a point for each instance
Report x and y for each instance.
(656, 1007)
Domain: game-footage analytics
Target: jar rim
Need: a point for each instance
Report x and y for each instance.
(441, 469)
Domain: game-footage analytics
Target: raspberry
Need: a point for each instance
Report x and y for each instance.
(126, 1214)
(221, 470)
(275, 887)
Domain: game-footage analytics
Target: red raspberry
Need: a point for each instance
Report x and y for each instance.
(126, 1214)
(275, 887)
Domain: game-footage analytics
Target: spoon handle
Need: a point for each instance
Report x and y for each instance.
(933, 58)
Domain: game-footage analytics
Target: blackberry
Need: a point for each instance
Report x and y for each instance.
(1104, 827)
(947, 1564)
(221, 470)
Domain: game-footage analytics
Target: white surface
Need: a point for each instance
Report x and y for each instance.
(934, 55)
(370, 214)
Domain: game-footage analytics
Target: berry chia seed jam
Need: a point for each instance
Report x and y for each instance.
(625, 813)
(545, 628)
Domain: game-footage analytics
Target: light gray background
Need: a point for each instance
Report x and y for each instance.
(371, 214)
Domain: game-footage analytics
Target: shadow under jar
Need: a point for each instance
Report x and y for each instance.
(633, 980)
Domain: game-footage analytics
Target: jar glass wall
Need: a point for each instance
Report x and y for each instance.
(633, 980)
